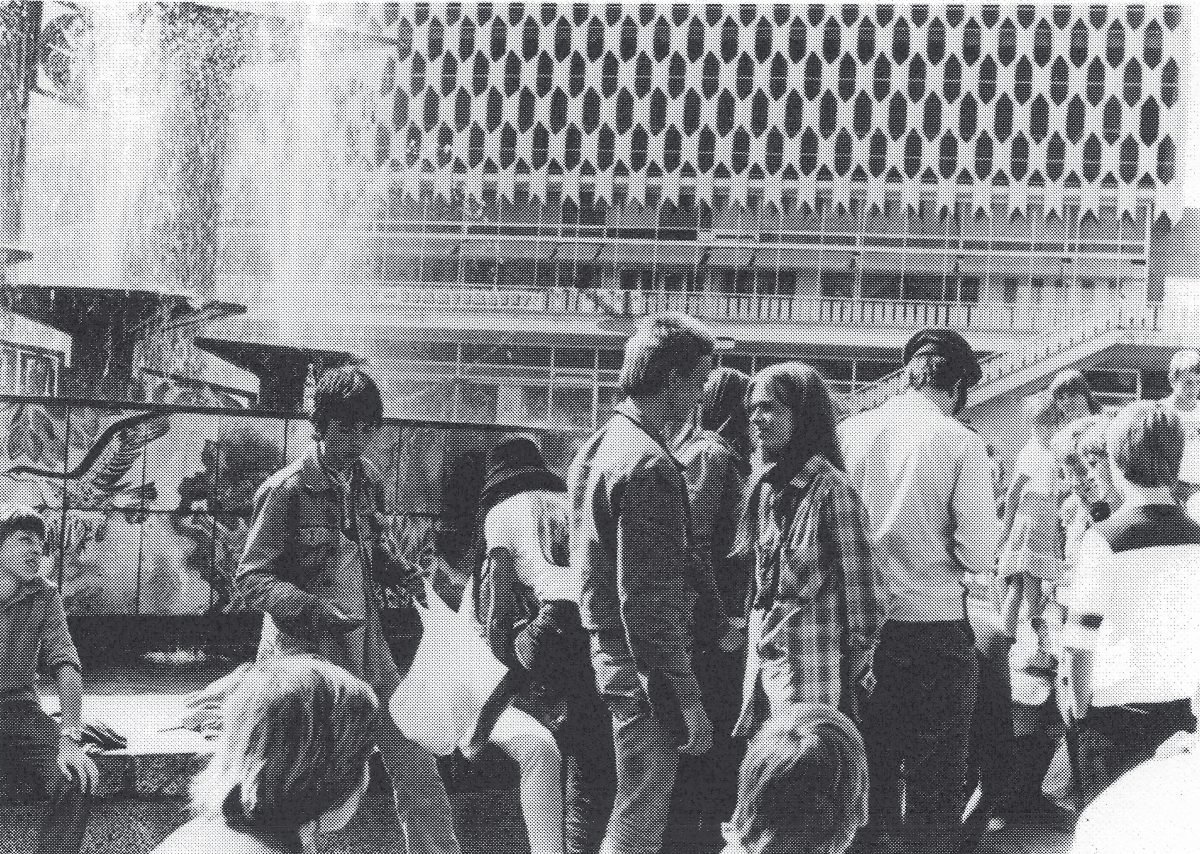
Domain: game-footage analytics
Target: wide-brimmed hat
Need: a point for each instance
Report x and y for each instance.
(513, 466)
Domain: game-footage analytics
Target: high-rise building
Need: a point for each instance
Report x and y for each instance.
(816, 181)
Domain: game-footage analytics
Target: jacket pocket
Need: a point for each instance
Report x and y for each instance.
(314, 547)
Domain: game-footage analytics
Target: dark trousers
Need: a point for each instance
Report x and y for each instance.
(917, 731)
(590, 781)
(1115, 739)
(706, 786)
(562, 694)
(29, 761)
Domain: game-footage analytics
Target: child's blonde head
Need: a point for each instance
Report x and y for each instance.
(1083, 437)
(803, 784)
(297, 734)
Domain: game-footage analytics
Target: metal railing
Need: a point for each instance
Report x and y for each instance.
(993, 314)
(1054, 342)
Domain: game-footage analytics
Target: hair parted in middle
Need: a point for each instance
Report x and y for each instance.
(298, 732)
(663, 343)
(799, 387)
(1072, 384)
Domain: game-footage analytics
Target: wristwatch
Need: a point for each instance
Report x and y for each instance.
(74, 733)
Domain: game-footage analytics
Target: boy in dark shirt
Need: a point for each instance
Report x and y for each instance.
(33, 631)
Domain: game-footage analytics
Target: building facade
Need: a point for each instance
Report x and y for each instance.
(526, 180)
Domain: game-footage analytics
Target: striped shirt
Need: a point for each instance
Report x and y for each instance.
(1135, 604)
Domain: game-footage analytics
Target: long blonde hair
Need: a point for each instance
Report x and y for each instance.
(297, 734)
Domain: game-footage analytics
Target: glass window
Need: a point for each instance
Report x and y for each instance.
(837, 284)
(38, 374)
(571, 407)
(574, 357)
(477, 402)
(880, 286)
(535, 404)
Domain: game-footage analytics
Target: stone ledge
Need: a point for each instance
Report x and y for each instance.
(168, 775)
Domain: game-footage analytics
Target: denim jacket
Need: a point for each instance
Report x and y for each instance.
(299, 517)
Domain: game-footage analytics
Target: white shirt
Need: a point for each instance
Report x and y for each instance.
(1189, 466)
(927, 484)
(1139, 574)
(519, 524)
(1037, 463)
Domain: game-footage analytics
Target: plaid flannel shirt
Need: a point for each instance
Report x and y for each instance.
(813, 538)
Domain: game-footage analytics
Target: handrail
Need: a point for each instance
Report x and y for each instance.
(999, 365)
(1025, 316)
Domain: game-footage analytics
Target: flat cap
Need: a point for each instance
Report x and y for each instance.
(948, 344)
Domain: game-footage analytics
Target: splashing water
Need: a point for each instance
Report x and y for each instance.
(217, 153)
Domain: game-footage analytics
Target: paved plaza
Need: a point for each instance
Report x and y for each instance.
(139, 700)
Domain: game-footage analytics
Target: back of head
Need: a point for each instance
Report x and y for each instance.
(1145, 443)
(803, 784)
(802, 390)
(297, 734)
(940, 359)
(723, 404)
(346, 394)
(662, 343)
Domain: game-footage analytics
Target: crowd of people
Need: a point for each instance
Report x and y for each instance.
(737, 624)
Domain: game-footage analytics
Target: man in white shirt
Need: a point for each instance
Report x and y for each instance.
(927, 484)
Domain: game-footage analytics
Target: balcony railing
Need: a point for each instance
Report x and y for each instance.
(989, 314)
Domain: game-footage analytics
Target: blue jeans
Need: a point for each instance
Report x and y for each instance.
(29, 754)
(917, 731)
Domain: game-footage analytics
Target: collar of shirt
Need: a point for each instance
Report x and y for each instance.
(1140, 496)
(24, 590)
(626, 410)
(784, 499)
(314, 475)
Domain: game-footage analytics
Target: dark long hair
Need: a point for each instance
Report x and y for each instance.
(814, 423)
(814, 431)
(723, 407)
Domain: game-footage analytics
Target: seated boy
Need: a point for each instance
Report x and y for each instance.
(33, 629)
